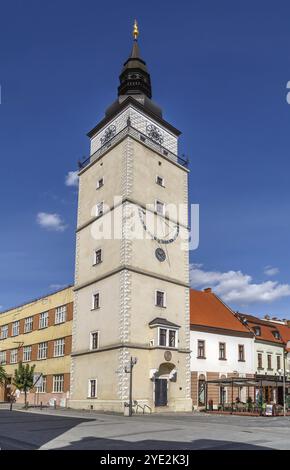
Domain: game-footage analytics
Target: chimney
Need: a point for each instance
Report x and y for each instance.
(207, 290)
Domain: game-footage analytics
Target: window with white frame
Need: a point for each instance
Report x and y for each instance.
(42, 350)
(94, 340)
(43, 320)
(160, 207)
(100, 183)
(100, 209)
(13, 356)
(160, 298)
(27, 353)
(92, 388)
(160, 181)
(4, 332)
(96, 301)
(167, 337)
(15, 328)
(41, 385)
(58, 349)
(98, 256)
(60, 315)
(2, 357)
(28, 324)
(58, 381)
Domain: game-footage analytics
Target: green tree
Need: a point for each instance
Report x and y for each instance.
(23, 378)
(3, 376)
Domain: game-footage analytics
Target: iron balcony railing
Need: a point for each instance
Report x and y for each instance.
(137, 135)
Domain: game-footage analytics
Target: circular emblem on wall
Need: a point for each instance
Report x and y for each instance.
(108, 134)
(154, 133)
(160, 254)
(167, 355)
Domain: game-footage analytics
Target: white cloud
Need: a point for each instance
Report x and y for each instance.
(57, 286)
(234, 286)
(50, 221)
(271, 271)
(72, 178)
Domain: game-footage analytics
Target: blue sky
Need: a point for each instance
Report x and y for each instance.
(218, 69)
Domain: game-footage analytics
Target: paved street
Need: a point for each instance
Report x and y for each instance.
(66, 429)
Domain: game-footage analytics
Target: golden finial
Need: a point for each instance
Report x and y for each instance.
(135, 31)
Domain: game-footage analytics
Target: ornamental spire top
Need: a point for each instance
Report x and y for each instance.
(135, 30)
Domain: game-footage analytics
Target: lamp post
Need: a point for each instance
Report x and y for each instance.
(129, 370)
(284, 371)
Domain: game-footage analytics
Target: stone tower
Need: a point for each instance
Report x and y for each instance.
(132, 270)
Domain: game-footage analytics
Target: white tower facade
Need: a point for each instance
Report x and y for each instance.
(132, 269)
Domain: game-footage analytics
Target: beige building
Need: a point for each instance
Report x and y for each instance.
(132, 272)
(39, 333)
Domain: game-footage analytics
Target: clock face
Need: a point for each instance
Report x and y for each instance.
(160, 254)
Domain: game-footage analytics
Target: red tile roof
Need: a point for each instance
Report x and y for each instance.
(207, 310)
(267, 328)
(284, 331)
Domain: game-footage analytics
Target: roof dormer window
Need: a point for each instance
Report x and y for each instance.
(257, 330)
(276, 334)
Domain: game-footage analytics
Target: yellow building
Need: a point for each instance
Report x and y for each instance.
(39, 332)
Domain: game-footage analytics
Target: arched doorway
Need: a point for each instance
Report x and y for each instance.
(164, 375)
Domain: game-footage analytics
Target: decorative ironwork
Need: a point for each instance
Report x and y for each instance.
(129, 130)
(108, 134)
(154, 133)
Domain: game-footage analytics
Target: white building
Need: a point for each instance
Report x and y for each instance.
(221, 347)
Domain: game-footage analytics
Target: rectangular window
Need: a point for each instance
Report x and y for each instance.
(4, 332)
(278, 362)
(92, 392)
(58, 381)
(162, 336)
(94, 341)
(98, 256)
(160, 207)
(100, 183)
(27, 353)
(160, 300)
(15, 328)
(167, 338)
(28, 324)
(241, 352)
(60, 315)
(42, 350)
(13, 356)
(43, 320)
(2, 357)
(201, 349)
(41, 385)
(260, 361)
(222, 350)
(160, 181)
(269, 361)
(100, 209)
(58, 349)
(172, 338)
(96, 301)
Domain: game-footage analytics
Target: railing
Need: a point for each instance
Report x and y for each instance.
(133, 132)
(143, 408)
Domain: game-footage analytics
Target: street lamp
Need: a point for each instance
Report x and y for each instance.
(284, 371)
(129, 370)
